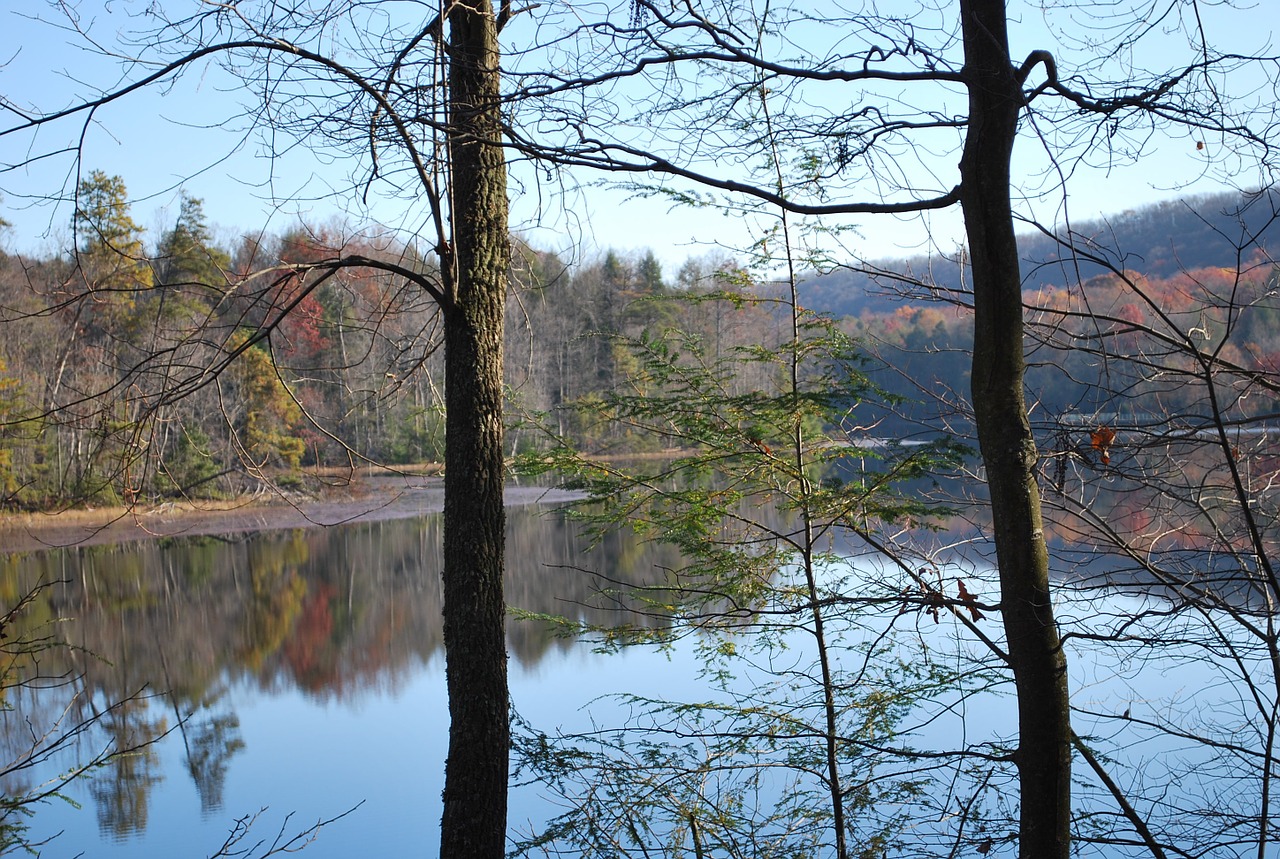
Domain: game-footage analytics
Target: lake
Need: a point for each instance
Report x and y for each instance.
(292, 676)
(297, 673)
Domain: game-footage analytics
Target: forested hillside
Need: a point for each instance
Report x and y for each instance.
(1160, 241)
(187, 375)
(1199, 265)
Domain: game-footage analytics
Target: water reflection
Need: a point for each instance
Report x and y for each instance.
(302, 668)
(166, 635)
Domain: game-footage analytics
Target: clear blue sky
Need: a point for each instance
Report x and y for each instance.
(161, 140)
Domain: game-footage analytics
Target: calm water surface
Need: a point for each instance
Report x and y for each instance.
(298, 676)
(307, 669)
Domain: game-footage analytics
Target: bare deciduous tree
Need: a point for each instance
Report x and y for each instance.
(420, 111)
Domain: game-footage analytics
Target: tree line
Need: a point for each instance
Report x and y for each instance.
(332, 371)
(1161, 240)
(349, 371)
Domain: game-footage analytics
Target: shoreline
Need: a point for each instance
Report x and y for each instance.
(366, 498)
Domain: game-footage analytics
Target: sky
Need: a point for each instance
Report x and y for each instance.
(192, 136)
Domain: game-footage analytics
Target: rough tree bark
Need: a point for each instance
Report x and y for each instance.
(475, 791)
(1043, 756)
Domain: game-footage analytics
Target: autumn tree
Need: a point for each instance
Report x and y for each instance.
(103, 436)
(110, 261)
(14, 432)
(267, 414)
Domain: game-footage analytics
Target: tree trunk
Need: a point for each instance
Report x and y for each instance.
(1043, 756)
(475, 792)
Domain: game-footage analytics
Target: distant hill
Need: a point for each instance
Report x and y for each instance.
(1158, 240)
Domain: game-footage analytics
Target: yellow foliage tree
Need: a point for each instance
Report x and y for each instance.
(270, 414)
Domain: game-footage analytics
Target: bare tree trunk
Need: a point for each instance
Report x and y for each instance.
(475, 792)
(1043, 755)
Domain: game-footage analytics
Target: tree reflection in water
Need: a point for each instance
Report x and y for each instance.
(173, 629)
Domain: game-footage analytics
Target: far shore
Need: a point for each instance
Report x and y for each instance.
(363, 496)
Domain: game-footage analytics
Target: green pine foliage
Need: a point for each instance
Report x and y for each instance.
(762, 488)
(270, 415)
(190, 468)
(187, 255)
(111, 263)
